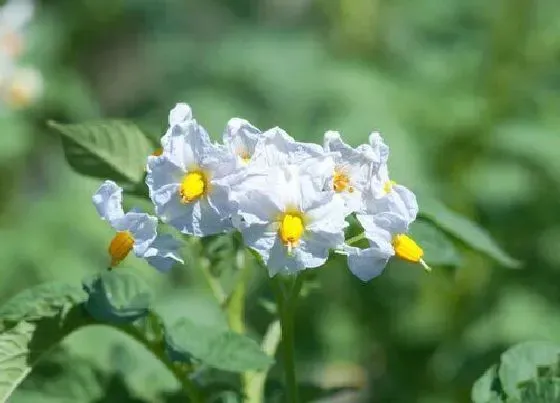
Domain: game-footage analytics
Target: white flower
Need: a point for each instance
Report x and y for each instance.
(21, 87)
(354, 168)
(186, 182)
(385, 195)
(241, 137)
(136, 231)
(289, 220)
(14, 16)
(276, 147)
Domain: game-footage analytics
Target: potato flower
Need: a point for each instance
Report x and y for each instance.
(185, 181)
(136, 231)
(289, 220)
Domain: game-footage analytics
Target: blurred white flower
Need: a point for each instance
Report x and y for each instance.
(14, 16)
(21, 87)
(186, 180)
(136, 231)
(287, 219)
(353, 171)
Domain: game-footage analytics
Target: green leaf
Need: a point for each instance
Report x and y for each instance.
(30, 325)
(41, 301)
(464, 230)
(439, 250)
(482, 391)
(117, 297)
(112, 149)
(519, 364)
(216, 348)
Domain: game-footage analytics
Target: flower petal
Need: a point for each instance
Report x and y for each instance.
(161, 171)
(179, 114)
(108, 202)
(366, 263)
(162, 253)
(143, 228)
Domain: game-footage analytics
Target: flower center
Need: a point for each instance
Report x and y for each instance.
(157, 152)
(120, 247)
(407, 249)
(193, 186)
(388, 186)
(245, 157)
(291, 229)
(341, 182)
(18, 95)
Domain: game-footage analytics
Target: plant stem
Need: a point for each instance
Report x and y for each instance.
(356, 238)
(286, 308)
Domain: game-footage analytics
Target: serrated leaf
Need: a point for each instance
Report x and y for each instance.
(54, 312)
(519, 364)
(113, 149)
(465, 231)
(216, 348)
(117, 297)
(41, 301)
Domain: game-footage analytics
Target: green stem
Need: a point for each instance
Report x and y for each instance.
(214, 284)
(286, 307)
(188, 386)
(356, 238)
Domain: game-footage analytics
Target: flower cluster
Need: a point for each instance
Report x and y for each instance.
(289, 200)
(19, 85)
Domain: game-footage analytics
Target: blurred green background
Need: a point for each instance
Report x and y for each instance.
(466, 93)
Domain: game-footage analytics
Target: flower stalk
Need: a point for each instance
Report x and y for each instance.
(286, 307)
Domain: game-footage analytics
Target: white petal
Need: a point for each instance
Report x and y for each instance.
(186, 144)
(108, 201)
(366, 263)
(281, 262)
(143, 228)
(256, 207)
(327, 215)
(260, 238)
(161, 171)
(15, 14)
(379, 146)
(162, 253)
(331, 137)
(276, 147)
(382, 227)
(217, 161)
(241, 136)
(179, 114)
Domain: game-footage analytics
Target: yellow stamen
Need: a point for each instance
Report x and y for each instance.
(388, 186)
(291, 229)
(120, 247)
(193, 186)
(408, 250)
(157, 152)
(245, 156)
(18, 96)
(341, 182)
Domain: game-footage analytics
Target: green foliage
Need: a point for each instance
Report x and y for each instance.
(527, 373)
(32, 324)
(117, 297)
(115, 150)
(464, 230)
(216, 348)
